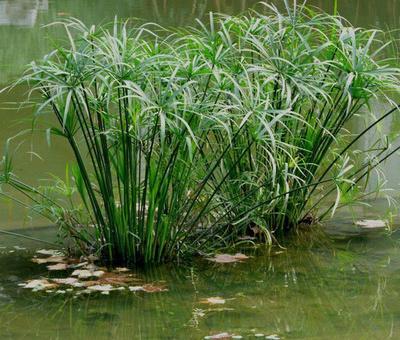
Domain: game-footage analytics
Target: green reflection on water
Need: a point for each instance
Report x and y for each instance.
(347, 290)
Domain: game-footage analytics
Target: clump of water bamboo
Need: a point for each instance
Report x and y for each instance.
(185, 140)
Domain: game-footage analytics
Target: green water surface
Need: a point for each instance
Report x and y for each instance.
(345, 288)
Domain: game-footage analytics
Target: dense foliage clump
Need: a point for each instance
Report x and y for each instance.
(186, 140)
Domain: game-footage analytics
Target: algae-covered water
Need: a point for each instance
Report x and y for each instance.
(348, 288)
(345, 286)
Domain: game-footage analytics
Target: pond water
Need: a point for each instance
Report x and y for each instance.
(347, 287)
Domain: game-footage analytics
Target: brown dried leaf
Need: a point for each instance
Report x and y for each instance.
(117, 279)
(90, 283)
(240, 256)
(79, 265)
(37, 285)
(50, 252)
(111, 279)
(85, 274)
(219, 336)
(69, 281)
(101, 288)
(152, 288)
(227, 258)
(371, 224)
(121, 270)
(51, 259)
(246, 238)
(58, 266)
(136, 288)
(149, 288)
(91, 267)
(213, 300)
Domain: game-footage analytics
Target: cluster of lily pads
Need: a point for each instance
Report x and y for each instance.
(85, 276)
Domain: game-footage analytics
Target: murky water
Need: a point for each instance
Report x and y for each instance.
(344, 288)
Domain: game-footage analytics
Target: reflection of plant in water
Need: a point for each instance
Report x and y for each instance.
(308, 287)
(21, 12)
(197, 315)
(181, 12)
(378, 297)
